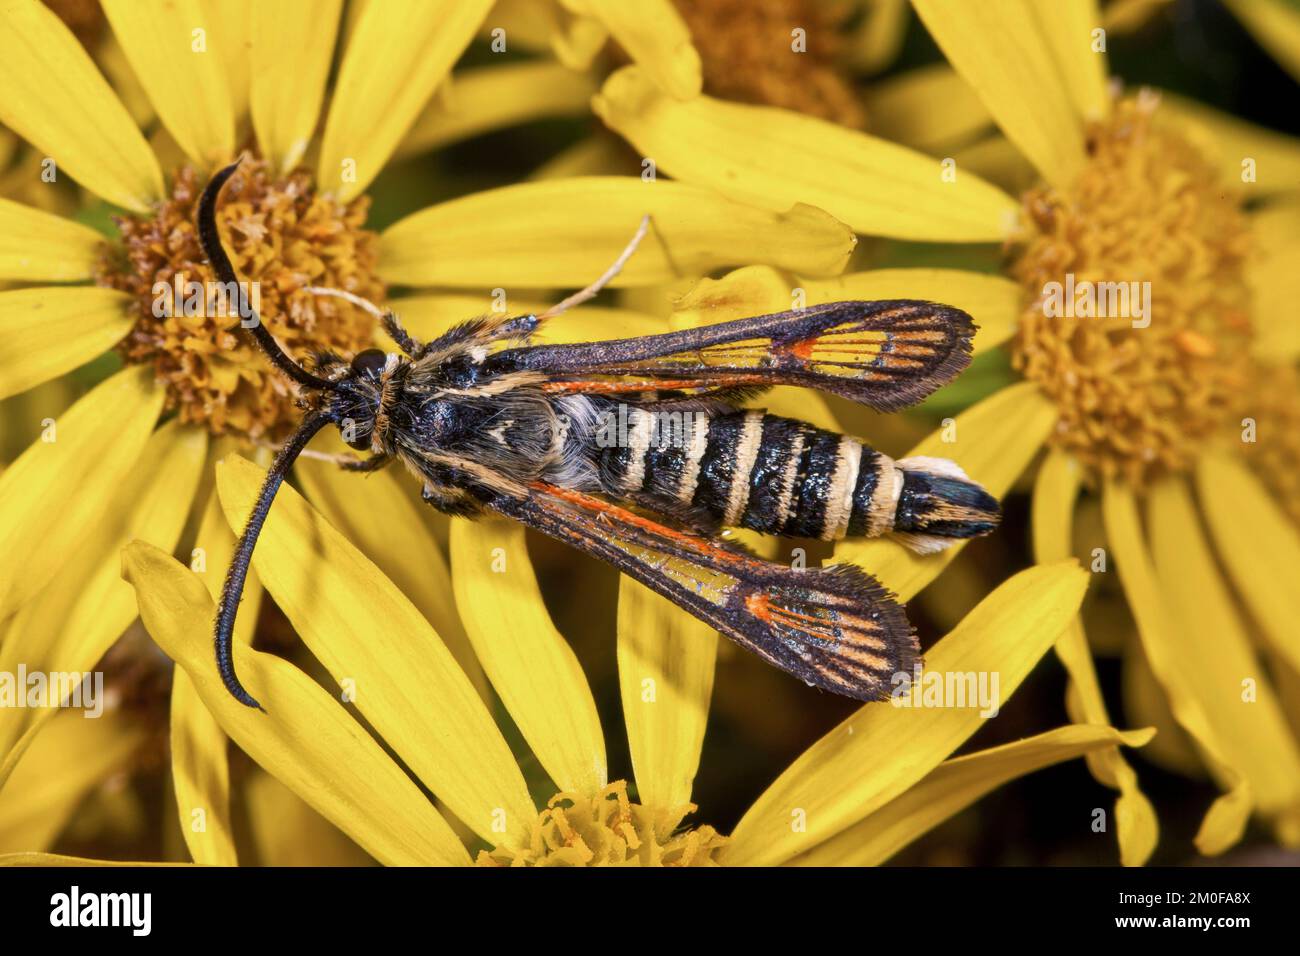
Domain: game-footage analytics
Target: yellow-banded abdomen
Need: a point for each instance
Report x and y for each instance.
(785, 477)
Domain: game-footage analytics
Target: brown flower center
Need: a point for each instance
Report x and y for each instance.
(281, 236)
(610, 830)
(750, 52)
(1137, 317)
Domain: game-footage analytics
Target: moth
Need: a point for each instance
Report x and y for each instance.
(571, 440)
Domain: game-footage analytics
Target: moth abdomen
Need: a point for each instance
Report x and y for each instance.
(781, 476)
(938, 502)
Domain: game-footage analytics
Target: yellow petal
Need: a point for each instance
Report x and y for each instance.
(1146, 705)
(56, 100)
(36, 246)
(1055, 491)
(307, 739)
(428, 316)
(993, 301)
(293, 44)
(928, 108)
(380, 519)
(1258, 546)
(73, 621)
(749, 290)
(401, 676)
(995, 441)
(230, 36)
(774, 158)
(45, 332)
(594, 156)
(1226, 819)
(288, 832)
(59, 860)
(1277, 221)
(956, 784)
(879, 37)
(1275, 26)
(397, 53)
(996, 159)
(1275, 157)
(1274, 280)
(71, 756)
(532, 667)
(665, 671)
(59, 487)
(172, 49)
(200, 770)
(1001, 51)
(758, 290)
(654, 35)
(112, 61)
(799, 403)
(576, 41)
(576, 228)
(200, 776)
(496, 97)
(1275, 285)
(884, 749)
(1215, 658)
(1073, 31)
(528, 25)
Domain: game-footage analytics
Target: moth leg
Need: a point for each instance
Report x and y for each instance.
(373, 463)
(387, 318)
(594, 289)
(346, 462)
(413, 347)
(450, 499)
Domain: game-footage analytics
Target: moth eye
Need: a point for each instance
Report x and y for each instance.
(369, 362)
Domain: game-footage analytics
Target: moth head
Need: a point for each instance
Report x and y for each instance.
(355, 401)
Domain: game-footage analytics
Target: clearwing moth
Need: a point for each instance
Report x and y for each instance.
(571, 440)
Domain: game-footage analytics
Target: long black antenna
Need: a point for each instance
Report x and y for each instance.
(210, 239)
(233, 589)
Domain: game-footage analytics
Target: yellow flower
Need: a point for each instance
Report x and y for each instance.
(115, 464)
(1154, 418)
(856, 796)
(805, 55)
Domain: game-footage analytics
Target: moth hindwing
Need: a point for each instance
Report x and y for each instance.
(834, 628)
